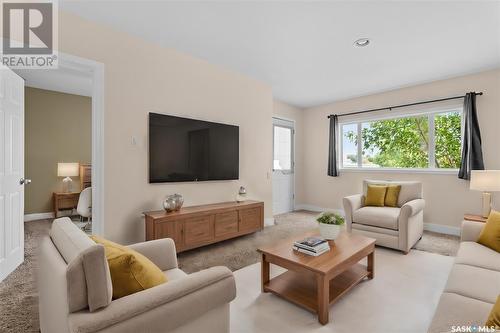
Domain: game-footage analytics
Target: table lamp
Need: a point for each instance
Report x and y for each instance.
(487, 181)
(67, 170)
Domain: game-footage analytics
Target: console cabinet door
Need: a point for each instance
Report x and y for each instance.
(171, 229)
(198, 230)
(226, 224)
(250, 219)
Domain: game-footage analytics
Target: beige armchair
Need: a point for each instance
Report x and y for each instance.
(75, 290)
(395, 227)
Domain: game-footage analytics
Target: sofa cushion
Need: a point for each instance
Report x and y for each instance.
(383, 217)
(97, 277)
(375, 195)
(131, 272)
(474, 282)
(494, 317)
(474, 254)
(376, 230)
(457, 310)
(490, 235)
(392, 195)
(69, 240)
(410, 190)
(87, 274)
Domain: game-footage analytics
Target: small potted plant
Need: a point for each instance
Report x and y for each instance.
(330, 224)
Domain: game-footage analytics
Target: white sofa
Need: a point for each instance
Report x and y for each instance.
(394, 227)
(75, 290)
(473, 284)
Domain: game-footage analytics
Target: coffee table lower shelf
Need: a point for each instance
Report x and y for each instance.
(301, 288)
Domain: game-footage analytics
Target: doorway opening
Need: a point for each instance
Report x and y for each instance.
(283, 166)
(79, 83)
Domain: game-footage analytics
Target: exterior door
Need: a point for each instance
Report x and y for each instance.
(11, 171)
(283, 166)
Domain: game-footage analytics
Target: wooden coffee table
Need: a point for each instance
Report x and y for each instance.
(316, 282)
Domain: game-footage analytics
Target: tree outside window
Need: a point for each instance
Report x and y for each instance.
(427, 141)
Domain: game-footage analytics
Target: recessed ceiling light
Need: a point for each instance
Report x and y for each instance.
(362, 42)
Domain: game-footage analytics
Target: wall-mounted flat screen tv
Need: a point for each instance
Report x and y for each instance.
(186, 150)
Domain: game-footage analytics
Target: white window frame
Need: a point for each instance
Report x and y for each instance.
(430, 113)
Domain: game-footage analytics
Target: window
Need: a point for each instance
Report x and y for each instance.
(422, 141)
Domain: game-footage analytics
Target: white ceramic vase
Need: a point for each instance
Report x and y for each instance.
(329, 231)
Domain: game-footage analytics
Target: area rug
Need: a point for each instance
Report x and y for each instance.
(19, 298)
(400, 299)
(240, 252)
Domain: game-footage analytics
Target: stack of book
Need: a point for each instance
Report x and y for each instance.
(313, 246)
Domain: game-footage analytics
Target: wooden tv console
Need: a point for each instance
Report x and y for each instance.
(196, 226)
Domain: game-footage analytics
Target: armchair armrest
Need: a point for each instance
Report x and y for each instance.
(160, 251)
(412, 207)
(170, 304)
(470, 231)
(351, 204)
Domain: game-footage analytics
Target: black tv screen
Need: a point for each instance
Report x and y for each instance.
(185, 150)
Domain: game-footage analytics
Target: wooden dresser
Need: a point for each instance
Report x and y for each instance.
(196, 226)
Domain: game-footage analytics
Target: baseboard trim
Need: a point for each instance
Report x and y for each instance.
(314, 208)
(442, 229)
(439, 228)
(38, 216)
(268, 222)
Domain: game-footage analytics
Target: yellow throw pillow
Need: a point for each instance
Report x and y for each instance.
(392, 195)
(375, 195)
(130, 271)
(490, 235)
(494, 317)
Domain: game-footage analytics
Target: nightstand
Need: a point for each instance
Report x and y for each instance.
(475, 218)
(65, 201)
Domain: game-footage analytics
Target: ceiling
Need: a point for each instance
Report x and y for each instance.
(305, 50)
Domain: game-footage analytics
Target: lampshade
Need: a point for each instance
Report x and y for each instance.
(67, 169)
(485, 180)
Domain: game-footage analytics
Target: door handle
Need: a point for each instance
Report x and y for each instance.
(24, 181)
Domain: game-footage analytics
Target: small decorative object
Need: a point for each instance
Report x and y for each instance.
(67, 170)
(242, 193)
(173, 202)
(330, 224)
(179, 201)
(169, 204)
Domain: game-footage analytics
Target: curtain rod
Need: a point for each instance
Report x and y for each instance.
(405, 105)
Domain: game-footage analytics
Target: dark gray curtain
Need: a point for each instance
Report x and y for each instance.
(332, 148)
(472, 154)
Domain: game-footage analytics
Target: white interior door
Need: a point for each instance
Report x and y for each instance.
(283, 166)
(11, 171)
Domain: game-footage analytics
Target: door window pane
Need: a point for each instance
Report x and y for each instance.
(350, 145)
(448, 140)
(282, 148)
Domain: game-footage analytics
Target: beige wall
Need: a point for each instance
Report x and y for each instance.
(447, 197)
(289, 112)
(57, 129)
(141, 77)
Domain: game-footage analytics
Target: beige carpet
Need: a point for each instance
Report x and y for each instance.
(400, 299)
(18, 295)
